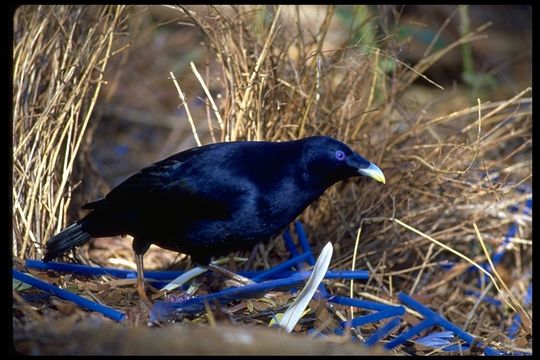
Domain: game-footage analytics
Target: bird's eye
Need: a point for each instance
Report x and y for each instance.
(340, 155)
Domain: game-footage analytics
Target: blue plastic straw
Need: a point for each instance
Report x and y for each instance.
(383, 331)
(331, 274)
(302, 238)
(376, 316)
(364, 304)
(167, 310)
(488, 299)
(498, 255)
(528, 296)
(322, 293)
(431, 318)
(430, 314)
(410, 333)
(290, 244)
(64, 294)
(281, 267)
(347, 274)
(516, 320)
(168, 275)
(514, 327)
(96, 271)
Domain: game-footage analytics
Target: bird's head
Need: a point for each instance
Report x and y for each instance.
(330, 160)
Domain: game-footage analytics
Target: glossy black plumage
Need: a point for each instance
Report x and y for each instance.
(214, 199)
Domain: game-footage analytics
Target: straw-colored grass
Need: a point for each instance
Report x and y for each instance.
(60, 54)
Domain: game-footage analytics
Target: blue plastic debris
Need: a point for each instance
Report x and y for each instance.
(121, 150)
(96, 271)
(363, 304)
(510, 234)
(163, 310)
(287, 279)
(374, 317)
(67, 295)
(289, 244)
(321, 293)
(168, 310)
(497, 257)
(331, 274)
(488, 299)
(302, 238)
(383, 331)
(282, 267)
(152, 276)
(528, 296)
(431, 319)
(447, 264)
(513, 330)
(382, 311)
(436, 340)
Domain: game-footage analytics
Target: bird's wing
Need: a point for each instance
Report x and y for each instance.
(183, 182)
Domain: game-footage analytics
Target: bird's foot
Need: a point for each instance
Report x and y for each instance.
(143, 298)
(235, 278)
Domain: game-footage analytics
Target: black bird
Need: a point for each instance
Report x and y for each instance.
(214, 199)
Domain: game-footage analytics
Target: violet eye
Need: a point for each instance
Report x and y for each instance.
(340, 155)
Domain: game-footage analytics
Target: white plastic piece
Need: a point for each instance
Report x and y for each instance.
(295, 312)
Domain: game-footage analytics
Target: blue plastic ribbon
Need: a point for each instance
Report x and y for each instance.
(167, 310)
(67, 295)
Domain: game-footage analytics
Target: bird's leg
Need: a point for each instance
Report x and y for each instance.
(140, 247)
(229, 274)
(140, 281)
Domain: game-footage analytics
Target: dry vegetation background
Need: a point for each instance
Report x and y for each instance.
(439, 97)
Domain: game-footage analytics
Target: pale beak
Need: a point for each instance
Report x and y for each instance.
(373, 172)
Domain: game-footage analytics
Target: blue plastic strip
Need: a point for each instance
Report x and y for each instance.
(430, 314)
(169, 275)
(437, 339)
(64, 294)
(512, 231)
(498, 255)
(281, 267)
(365, 304)
(383, 331)
(423, 325)
(514, 327)
(513, 330)
(331, 274)
(528, 297)
(96, 271)
(167, 310)
(488, 299)
(347, 274)
(290, 244)
(376, 316)
(322, 293)
(76, 268)
(302, 238)
(432, 318)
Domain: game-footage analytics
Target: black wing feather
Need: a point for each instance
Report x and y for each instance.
(178, 183)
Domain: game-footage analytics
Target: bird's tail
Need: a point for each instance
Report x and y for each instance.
(66, 240)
